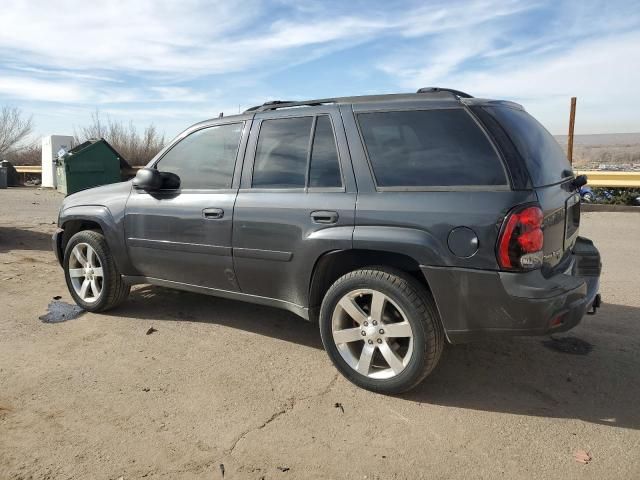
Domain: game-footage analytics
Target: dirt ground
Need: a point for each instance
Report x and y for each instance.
(222, 383)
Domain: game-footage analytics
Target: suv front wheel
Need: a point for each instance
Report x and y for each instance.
(91, 273)
(381, 329)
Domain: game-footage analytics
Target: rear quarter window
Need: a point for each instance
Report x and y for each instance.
(544, 158)
(429, 148)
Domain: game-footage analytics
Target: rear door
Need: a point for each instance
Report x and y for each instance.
(296, 201)
(551, 177)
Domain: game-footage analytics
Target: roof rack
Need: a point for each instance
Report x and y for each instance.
(275, 104)
(457, 93)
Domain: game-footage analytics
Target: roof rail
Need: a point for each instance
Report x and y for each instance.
(457, 93)
(275, 104)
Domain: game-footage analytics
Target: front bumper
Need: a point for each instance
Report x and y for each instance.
(477, 303)
(56, 244)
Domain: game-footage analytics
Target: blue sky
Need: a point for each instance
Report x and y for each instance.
(173, 63)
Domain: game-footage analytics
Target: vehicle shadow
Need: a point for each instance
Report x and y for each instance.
(158, 303)
(510, 375)
(22, 239)
(523, 377)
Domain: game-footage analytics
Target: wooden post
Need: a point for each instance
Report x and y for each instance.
(572, 124)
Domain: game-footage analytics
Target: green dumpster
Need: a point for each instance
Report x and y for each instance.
(87, 165)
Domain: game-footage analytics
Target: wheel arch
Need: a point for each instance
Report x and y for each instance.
(332, 265)
(98, 218)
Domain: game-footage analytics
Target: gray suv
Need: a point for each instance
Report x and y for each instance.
(398, 222)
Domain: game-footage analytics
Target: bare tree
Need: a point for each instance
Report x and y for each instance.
(30, 154)
(136, 148)
(14, 128)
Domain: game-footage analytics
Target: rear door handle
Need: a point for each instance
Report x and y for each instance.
(213, 213)
(324, 216)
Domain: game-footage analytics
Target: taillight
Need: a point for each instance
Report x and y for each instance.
(521, 239)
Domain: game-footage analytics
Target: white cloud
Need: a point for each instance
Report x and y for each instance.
(32, 89)
(126, 56)
(193, 38)
(67, 52)
(588, 51)
(603, 73)
(136, 36)
(439, 17)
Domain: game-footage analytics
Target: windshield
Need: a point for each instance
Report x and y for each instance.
(545, 159)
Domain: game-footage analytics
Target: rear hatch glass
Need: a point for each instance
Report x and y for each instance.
(550, 174)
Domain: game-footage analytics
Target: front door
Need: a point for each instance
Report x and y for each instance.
(296, 201)
(184, 236)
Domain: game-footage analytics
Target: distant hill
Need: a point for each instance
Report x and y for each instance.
(591, 151)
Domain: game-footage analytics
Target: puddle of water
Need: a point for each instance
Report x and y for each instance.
(571, 345)
(58, 311)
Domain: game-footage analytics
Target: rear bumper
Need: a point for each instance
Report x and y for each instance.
(477, 303)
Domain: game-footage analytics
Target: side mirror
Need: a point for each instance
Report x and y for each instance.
(150, 179)
(579, 181)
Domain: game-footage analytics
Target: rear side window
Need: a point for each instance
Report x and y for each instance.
(206, 158)
(544, 158)
(281, 154)
(325, 167)
(429, 148)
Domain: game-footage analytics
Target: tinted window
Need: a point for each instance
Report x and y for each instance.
(544, 158)
(281, 154)
(206, 158)
(429, 148)
(325, 169)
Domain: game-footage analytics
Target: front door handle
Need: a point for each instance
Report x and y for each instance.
(324, 216)
(213, 213)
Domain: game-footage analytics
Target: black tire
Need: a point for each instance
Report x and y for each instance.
(420, 311)
(114, 289)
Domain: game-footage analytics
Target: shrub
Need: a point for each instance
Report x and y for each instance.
(135, 147)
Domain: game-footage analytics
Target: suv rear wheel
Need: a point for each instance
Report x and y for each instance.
(381, 329)
(91, 274)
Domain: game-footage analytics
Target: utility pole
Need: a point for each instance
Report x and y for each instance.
(572, 124)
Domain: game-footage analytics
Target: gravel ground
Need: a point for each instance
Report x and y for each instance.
(250, 388)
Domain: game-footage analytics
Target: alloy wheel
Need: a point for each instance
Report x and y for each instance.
(372, 333)
(86, 273)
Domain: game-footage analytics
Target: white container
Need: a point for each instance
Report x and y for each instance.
(51, 145)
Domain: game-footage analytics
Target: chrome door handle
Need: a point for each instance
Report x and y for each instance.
(213, 213)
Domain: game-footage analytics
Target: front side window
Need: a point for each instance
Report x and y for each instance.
(429, 148)
(206, 158)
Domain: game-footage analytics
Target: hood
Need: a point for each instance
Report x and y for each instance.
(103, 195)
